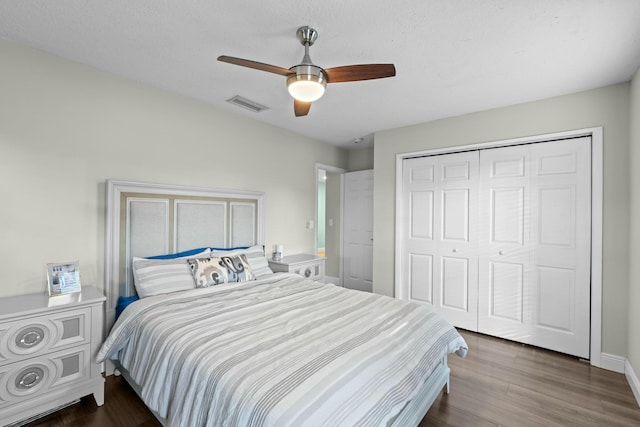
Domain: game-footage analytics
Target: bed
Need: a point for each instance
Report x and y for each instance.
(273, 349)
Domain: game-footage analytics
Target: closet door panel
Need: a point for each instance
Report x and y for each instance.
(506, 284)
(419, 241)
(421, 215)
(507, 215)
(503, 257)
(534, 263)
(456, 230)
(455, 215)
(421, 278)
(455, 283)
(561, 245)
(555, 289)
(439, 241)
(556, 215)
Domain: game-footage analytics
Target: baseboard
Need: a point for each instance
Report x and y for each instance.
(42, 415)
(334, 280)
(632, 378)
(612, 362)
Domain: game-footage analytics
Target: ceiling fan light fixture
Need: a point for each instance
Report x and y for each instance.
(307, 84)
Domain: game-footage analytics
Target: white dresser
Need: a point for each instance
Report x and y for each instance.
(309, 266)
(47, 354)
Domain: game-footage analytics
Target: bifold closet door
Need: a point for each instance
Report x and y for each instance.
(534, 258)
(439, 242)
(499, 241)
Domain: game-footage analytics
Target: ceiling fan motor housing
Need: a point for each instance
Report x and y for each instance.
(308, 83)
(307, 35)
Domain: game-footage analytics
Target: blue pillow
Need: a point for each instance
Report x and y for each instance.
(123, 302)
(183, 254)
(229, 249)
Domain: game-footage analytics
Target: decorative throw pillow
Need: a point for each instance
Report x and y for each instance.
(255, 255)
(217, 270)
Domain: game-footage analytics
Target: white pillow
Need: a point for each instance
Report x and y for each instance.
(156, 276)
(255, 257)
(163, 276)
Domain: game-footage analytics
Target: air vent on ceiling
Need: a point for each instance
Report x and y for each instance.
(247, 103)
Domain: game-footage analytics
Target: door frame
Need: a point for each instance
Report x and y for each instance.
(597, 174)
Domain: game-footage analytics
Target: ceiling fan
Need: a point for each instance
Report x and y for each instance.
(306, 81)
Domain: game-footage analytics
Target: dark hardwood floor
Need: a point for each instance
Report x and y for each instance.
(499, 383)
(502, 383)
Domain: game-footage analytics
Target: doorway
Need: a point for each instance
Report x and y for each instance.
(328, 236)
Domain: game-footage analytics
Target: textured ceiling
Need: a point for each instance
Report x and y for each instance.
(452, 56)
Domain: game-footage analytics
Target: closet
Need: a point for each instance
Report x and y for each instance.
(498, 240)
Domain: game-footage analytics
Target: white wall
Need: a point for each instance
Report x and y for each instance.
(607, 107)
(634, 252)
(65, 128)
(360, 159)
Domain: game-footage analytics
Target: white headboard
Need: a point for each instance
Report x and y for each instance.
(150, 219)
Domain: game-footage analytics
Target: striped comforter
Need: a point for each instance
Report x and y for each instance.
(279, 351)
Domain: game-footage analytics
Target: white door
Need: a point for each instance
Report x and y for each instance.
(439, 241)
(534, 260)
(358, 230)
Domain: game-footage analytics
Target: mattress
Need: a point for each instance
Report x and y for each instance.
(279, 351)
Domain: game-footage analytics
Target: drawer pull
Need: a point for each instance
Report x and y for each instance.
(29, 378)
(30, 337)
(307, 273)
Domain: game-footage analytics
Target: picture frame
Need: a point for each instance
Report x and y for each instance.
(63, 278)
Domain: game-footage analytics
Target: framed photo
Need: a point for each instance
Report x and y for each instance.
(63, 278)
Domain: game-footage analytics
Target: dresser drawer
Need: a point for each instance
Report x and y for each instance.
(39, 376)
(311, 270)
(31, 337)
(46, 352)
(309, 266)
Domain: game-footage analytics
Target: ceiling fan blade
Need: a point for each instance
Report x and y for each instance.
(254, 64)
(354, 73)
(301, 108)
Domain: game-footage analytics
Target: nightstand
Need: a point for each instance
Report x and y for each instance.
(47, 353)
(309, 266)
